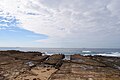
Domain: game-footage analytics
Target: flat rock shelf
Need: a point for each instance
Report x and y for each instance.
(19, 65)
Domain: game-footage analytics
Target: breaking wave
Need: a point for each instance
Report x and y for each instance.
(113, 54)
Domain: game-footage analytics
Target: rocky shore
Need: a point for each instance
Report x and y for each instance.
(19, 65)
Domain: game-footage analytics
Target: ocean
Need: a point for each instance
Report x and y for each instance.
(69, 51)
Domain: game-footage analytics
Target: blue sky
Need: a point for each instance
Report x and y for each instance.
(13, 36)
(60, 23)
(19, 38)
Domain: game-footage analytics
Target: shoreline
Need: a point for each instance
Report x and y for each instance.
(17, 65)
(83, 53)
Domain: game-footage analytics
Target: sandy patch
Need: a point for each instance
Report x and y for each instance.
(38, 73)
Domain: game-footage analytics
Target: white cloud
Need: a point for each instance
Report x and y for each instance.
(67, 21)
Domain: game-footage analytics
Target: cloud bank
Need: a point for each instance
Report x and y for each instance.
(68, 22)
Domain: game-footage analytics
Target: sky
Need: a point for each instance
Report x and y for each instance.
(60, 23)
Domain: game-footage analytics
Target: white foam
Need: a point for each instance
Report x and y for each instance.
(86, 51)
(113, 54)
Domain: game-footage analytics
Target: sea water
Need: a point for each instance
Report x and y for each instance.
(69, 51)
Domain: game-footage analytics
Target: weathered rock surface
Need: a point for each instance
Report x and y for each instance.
(17, 65)
(89, 68)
